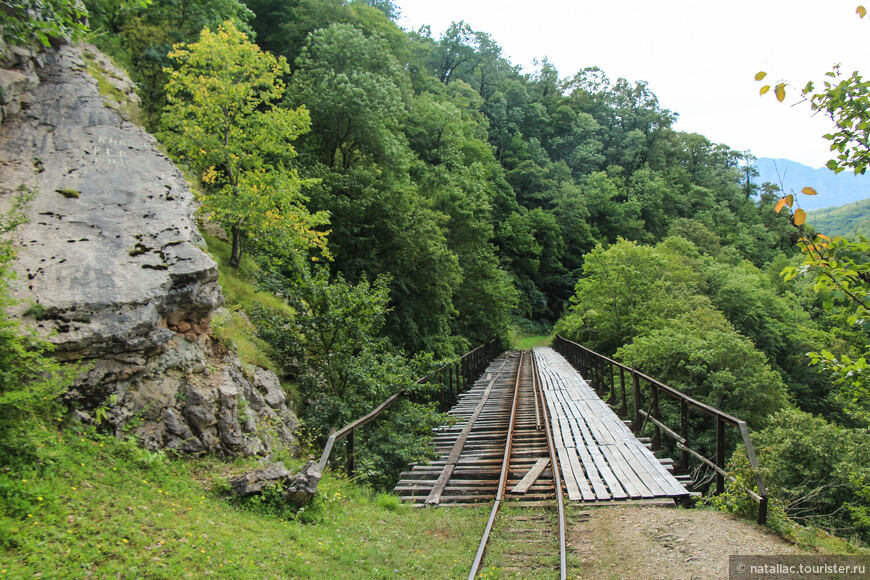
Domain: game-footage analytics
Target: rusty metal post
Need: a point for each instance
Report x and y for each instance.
(612, 399)
(636, 422)
(684, 433)
(657, 432)
(599, 377)
(350, 466)
(624, 410)
(720, 454)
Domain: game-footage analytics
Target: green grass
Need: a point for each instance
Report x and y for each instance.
(237, 283)
(241, 295)
(105, 508)
(521, 342)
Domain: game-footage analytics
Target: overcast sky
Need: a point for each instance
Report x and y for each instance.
(698, 56)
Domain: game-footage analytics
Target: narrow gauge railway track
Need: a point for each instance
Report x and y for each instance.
(530, 539)
(499, 450)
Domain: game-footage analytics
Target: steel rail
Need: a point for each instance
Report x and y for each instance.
(506, 462)
(505, 468)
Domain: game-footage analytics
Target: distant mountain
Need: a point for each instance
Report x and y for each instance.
(848, 220)
(834, 189)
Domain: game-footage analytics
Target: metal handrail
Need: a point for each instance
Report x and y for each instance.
(464, 369)
(590, 363)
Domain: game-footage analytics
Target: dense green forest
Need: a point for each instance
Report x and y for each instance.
(414, 196)
(850, 220)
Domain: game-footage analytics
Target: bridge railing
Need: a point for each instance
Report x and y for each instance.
(600, 371)
(453, 378)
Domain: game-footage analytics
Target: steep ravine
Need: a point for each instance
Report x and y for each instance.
(110, 265)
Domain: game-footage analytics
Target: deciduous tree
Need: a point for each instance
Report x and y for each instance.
(222, 120)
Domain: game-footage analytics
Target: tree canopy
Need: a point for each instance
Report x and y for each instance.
(222, 120)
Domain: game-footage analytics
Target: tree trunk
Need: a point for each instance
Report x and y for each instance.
(236, 256)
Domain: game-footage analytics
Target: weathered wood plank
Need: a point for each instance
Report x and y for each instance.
(614, 462)
(532, 476)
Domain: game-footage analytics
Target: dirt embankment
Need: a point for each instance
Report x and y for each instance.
(655, 542)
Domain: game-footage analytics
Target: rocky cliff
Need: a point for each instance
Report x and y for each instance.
(110, 265)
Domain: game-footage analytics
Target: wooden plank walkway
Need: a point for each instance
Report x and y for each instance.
(600, 458)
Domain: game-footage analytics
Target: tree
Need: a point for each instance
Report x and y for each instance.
(347, 369)
(351, 84)
(700, 354)
(816, 472)
(840, 266)
(222, 119)
(139, 34)
(624, 289)
(23, 21)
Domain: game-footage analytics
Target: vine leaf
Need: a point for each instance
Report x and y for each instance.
(780, 92)
(779, 205)
(800, 216)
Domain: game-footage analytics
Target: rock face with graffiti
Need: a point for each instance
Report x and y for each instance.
(110, 265)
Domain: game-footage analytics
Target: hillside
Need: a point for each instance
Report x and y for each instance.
(113, 509)
(369, 220)
(835, 189)
(849, 220)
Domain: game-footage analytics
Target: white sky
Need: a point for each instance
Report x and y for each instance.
(698, 56)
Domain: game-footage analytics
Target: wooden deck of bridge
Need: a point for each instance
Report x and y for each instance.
(600, 457)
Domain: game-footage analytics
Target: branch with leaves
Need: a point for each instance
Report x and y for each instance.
(223, 119)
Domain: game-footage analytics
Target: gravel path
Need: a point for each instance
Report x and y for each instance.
(657, 542)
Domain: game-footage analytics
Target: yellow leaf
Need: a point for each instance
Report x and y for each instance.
(800, 216)
(760, 75)
(764, 89)
(789, 200)
(861, 11)
(823, 236)
(809, 191)
(779, 205)
(780, 92)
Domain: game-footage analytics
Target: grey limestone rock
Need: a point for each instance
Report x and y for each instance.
(299, 488)
(256, 481)
(110, 266)
(111, 250)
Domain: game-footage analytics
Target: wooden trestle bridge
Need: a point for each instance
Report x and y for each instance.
(599, 457)
(531, 430)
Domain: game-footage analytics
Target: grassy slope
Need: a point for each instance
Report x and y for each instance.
(523, 342)
(105, 507)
